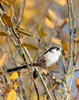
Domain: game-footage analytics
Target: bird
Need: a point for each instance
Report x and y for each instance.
(50, 57)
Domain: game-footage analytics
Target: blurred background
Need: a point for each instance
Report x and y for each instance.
(55, 13)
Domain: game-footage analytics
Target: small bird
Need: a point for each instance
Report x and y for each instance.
(50, 57)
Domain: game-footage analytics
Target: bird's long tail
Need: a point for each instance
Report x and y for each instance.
(22, 67)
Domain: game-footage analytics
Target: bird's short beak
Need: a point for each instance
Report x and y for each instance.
(62, 51)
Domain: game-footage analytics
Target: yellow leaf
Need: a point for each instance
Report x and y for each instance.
(49, 23)
(61, 43)
(41, 30)
(42, 34)
(30, 46)
(6, 20)
(5, 3)
(7, 89)
(12, 95)
(24, 31)
(65, 45)
(14, 76)
(56, 41)
(61, 2)
(52, 15)
(41, 24)
(3, 59)
(77, 83)
(3, 34)
(15, 85)
(11, 2)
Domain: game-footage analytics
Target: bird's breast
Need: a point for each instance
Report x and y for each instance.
(50, 59)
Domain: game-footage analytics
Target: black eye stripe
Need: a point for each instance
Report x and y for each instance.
(57, 48)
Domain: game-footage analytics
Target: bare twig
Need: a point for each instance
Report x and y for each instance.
(36, 90)
(21, 13)
(70, 32)
(67, 98)
(22, 89)
(74, 33)
(51, 97)
(72, 57)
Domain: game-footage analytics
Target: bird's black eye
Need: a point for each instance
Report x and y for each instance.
(57, 49)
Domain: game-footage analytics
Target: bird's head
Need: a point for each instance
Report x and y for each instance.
(56, 50)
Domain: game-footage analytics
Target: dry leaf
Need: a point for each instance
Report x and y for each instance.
(1, 71)
(5, 3)
(25, 32)
(11, 2)
(7, 89)
(56, 41)
(42, 34)
(15, 85)
(6, 20)
(3, 34)
(12, 95)
(14, 76)
(52, 15)
(41, 30)
(30, 46)
(49, 23)
(3, 59)
(77, 83)
(65, 45)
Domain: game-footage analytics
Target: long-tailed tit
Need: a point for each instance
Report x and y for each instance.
(50, 57)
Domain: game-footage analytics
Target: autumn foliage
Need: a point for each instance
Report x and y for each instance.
(27, 29)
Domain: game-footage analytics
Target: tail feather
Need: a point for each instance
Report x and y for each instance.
(22, 67)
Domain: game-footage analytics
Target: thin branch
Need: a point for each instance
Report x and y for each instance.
(36, 90)
(70, 32)
(23, 90)
(51, 97)
(71, 16)
(21, 13)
